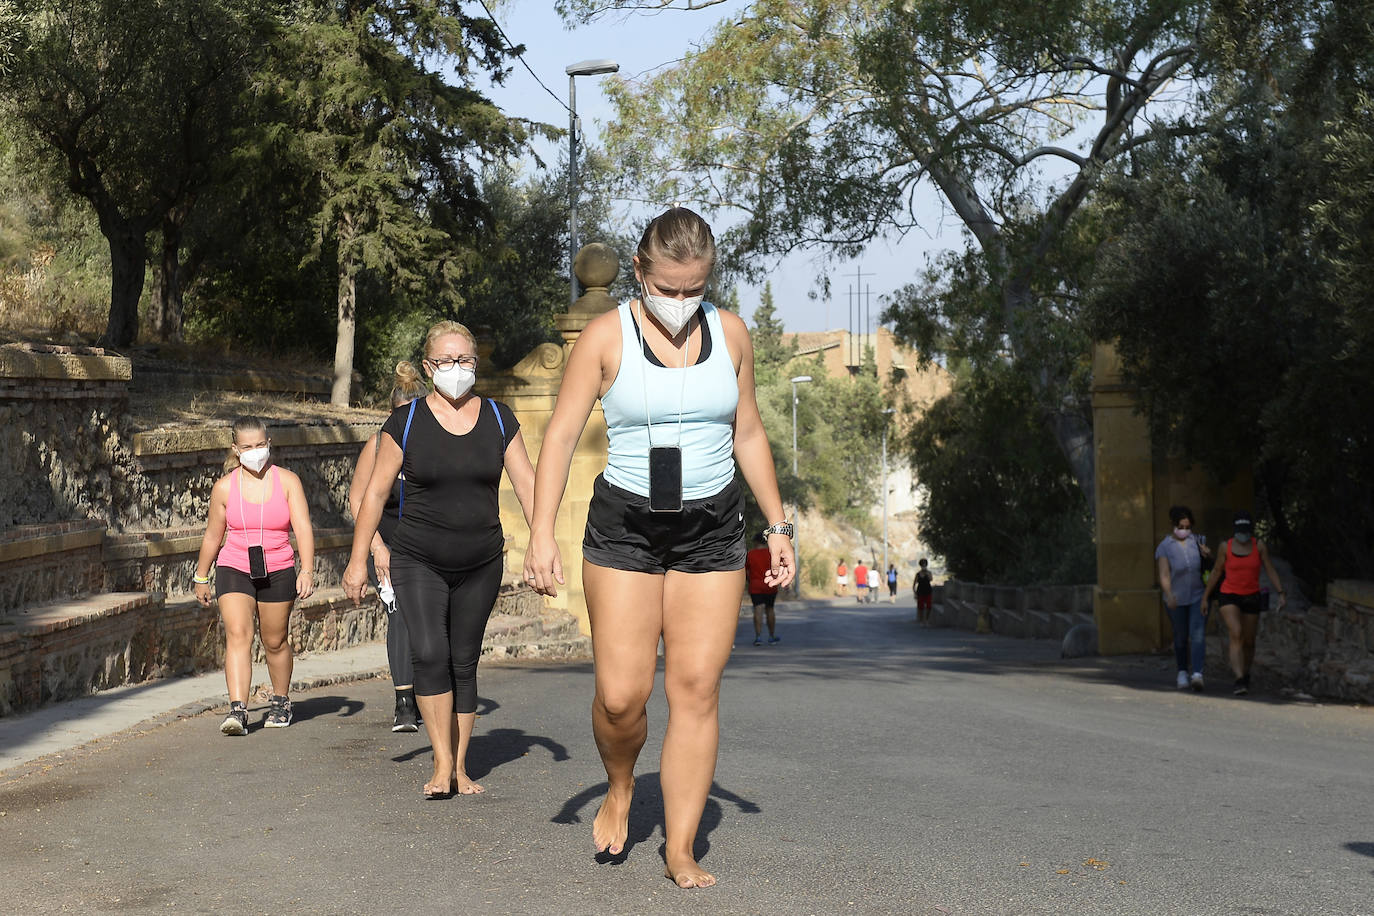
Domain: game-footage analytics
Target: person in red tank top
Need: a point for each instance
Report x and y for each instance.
(1237, 584)
(254, 509)
(758, 562)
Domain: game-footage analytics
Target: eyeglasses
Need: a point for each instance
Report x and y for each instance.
(443, 362)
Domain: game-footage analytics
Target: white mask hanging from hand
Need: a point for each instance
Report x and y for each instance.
(672, 313)
(454, 381)
(254, 459)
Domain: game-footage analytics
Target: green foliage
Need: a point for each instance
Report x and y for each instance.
(819, 120)
(54, 263)
(1237, 286)
(771, 354)
(998, 500)
(126, 105)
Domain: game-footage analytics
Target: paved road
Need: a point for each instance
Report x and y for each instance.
(867, 766)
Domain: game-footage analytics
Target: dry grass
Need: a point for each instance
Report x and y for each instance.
(171, 408)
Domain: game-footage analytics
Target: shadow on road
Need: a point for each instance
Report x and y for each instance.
(824, 640)
(315, 707)
(499, 746)
(646, 814)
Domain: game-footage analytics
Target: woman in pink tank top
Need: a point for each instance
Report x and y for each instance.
(253, 511)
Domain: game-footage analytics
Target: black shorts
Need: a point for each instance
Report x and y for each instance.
(764, 598)
(280, 585)
(1248, 604)
(706, 536)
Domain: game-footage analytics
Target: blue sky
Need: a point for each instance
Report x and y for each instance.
(640, 44)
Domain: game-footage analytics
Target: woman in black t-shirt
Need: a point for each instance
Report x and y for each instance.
(446, 553)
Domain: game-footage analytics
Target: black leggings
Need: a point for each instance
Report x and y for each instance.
(398, 656)
(446, 616)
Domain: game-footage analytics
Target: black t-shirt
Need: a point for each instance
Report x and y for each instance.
(923, 583)
(391, 516)
(450, 520)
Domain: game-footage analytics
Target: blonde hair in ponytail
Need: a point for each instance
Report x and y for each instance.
(243, 424)
(407, 384)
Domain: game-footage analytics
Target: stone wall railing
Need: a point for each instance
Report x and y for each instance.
(1035, 612)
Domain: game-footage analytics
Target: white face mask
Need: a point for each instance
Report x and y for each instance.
(1182, 533)
(672, 313)
(454, 381)
(254, 459)
(1242, 537)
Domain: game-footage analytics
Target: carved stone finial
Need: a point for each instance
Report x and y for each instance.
(595, 266)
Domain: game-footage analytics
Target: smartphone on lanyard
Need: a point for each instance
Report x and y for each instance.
(665, 478)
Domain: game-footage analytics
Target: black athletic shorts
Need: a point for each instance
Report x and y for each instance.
(1248, 604)
(764, 598)
(279, 585)
(706, 536)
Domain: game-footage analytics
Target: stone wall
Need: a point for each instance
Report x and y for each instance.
(1324, 651)
(178, 467)
(62, 441)
(1028, 612)
(40, 563)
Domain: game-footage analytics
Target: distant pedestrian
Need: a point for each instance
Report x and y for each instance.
(861, 582)
(875, 582)
(1237, 572)
(1179, 562)
(925, 592)
(254, 509)
(447, 551)
(891, 583)
(841, 579)
(762, 593)
(406, 387)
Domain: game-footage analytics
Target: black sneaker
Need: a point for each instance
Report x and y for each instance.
(236, 723)
(407, 718)
(1242, 686)
(278, 713)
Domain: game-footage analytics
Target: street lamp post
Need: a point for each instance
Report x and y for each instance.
(886, 413)
(796, 518)
(581, 68)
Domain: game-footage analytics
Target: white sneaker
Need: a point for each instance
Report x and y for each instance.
(1183, 680)
(1196, 682)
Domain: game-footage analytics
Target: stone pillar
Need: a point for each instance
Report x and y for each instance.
(1126, 603)
(531, 389)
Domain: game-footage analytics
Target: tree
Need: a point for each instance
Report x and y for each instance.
(771, 354)
(127, 105)
(396, 147)
(998, 500)
(820, 119)
(1236, 280)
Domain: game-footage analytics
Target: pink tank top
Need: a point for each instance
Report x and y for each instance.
(248, 523)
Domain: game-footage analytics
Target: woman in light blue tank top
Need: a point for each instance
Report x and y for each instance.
(663, 553)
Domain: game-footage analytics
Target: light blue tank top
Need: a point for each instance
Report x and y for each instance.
(706, 399)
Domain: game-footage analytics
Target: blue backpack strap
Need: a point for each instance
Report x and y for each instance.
(499, 422)
(405, 436)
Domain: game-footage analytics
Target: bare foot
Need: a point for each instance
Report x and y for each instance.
(441, 783)
(466, 786)
(684, 871)
(611, 828)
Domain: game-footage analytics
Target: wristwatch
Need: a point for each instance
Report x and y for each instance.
(780, 528)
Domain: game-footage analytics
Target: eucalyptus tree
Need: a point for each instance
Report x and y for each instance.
(821, 121)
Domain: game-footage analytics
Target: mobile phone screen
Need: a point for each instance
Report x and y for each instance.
(665, 478)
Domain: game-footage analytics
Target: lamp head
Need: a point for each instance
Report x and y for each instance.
(592, 67)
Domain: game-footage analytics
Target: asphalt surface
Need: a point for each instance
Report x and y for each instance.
(866, 766)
